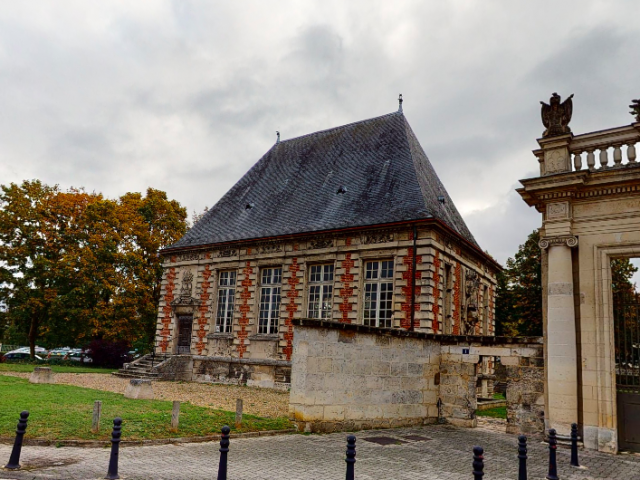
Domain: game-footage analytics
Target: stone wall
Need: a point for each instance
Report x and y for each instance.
(347, 376)
(231, 371)
(345, 380)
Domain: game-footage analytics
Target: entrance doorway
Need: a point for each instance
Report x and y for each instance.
(627, 363)
(185, 324)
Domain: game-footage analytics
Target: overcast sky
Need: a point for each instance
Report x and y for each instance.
(185, 96)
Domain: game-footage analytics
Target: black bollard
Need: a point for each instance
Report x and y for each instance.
(14, 460)
(112, 473)
(522, 456)
(553, 445)
(351, 456)
(478, 463)
(224, 450)
(574, 445)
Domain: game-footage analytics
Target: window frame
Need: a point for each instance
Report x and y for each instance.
(272, 324)
(223, 327)
(323, 285)
(379, 281)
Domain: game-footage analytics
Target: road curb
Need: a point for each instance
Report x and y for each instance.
(35, 442)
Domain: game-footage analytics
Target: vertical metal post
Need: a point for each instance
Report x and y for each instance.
(478, 463)
(224, 450)
(112, 473)
(351, 457)
(14, 459)
(522, 457)
(553, 445)
(574, 445)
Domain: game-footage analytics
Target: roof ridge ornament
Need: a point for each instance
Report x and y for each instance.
(278, 137)
(400, 103)
(556, 116)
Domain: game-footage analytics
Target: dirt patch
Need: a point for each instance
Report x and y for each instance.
(42, 462)
(256, 401)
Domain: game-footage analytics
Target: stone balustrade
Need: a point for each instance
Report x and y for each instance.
(609, 145)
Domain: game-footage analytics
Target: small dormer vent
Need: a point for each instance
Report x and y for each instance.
(342, 190)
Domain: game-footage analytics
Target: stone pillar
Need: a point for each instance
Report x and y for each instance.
(562, 371)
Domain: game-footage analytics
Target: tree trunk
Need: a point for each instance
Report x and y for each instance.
(33, 335)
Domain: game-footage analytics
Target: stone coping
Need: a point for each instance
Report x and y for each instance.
(244, 361)
(36, 442)
(400, 332)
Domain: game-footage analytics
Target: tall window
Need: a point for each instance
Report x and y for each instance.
(270, 300)
(378, 293)
(226, 300)
(320, 291)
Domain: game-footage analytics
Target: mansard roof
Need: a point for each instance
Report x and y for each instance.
(366, 173)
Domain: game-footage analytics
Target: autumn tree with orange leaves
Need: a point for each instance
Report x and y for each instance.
(76, 266)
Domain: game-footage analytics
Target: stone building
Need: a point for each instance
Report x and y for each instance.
(350, 225)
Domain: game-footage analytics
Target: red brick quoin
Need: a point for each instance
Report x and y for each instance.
(292, 294)
(436, 293)
(347, 290)
(408, 275)
(166, 310)
(204, 299)
(243, 321)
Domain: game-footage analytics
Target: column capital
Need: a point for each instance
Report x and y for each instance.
(568, 240)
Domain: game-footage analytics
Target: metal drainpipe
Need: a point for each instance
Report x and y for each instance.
(413, 277)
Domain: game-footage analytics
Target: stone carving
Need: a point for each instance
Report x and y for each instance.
(557, 210)
(555, 161)
(189, 256)
(187, 282)
(556, 116)
(186, 288)
(635, 109)
(321, 243)
(568, 240)
(227, 253)
(270, 248)
(377, 238)
(471, 290)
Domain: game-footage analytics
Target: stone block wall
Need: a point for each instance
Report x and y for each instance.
(345, 380)
(347, 376)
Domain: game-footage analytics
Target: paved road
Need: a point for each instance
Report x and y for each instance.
(445, 453)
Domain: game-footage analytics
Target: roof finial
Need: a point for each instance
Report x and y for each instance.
(278, 139)
(400, 103)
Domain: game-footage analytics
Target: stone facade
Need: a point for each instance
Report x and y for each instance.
(347, 376)
(446, 287)
(590, 215)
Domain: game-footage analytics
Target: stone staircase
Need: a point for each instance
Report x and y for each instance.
(142, 367)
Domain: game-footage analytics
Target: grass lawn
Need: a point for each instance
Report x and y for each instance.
(27, 367)
(63, 412)
(498, 412)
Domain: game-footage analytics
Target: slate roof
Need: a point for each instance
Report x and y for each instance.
(293, 188)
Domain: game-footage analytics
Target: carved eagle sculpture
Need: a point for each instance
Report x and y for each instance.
(556, 116)
(635, 109)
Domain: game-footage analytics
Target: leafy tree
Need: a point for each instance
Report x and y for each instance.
(76, 266)
(519, 289)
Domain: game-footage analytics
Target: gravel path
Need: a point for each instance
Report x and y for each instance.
(256, 401)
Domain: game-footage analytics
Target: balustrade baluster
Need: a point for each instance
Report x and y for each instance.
(617, 155)
(591, 160)
(577, 161)
(631, 152)
(604, 158)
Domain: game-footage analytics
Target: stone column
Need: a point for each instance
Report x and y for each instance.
(562, 370)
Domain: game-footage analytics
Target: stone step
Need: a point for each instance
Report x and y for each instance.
(125, 374)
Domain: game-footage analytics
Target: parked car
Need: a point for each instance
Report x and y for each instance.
(78, 355)
(58, 353)
(15, 355)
